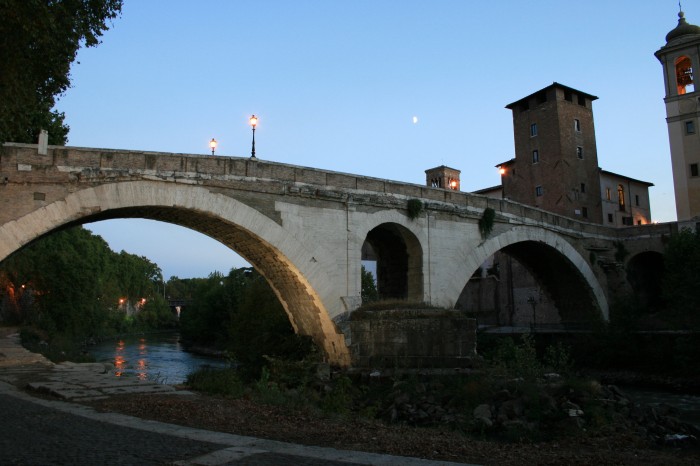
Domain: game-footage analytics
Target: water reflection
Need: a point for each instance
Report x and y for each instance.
(158, 357)
(119, 361)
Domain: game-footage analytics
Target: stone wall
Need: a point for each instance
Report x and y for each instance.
(416, 338)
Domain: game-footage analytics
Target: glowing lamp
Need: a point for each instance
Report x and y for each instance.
(212, 144)
(253, 122)
(502, 171)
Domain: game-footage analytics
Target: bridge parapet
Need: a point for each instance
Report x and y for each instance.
(21, 163)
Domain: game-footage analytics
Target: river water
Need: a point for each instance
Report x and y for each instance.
(158, 357)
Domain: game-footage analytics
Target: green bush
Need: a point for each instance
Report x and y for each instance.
(486, 222)
(415, 207)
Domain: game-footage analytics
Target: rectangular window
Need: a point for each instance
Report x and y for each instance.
(581, 100)
(607, 193)
(535, 156)
(639, 222)
(579, 152)
(693, 169)
(577, 125)
(636, 199)
(538, 191)
(533, 130)
(584, 212)
(627, 221)
(583, 188)
(610, 218)
(690, 127)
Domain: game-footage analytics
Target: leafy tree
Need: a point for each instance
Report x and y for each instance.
(39, 39)
(137, 276)
(65, 271)
(369, 288)
(205, 319)
(260, 328)
(241, 313)
(69, 284)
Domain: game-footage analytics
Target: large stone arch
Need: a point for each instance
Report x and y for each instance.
(550, 256)
(299, 278)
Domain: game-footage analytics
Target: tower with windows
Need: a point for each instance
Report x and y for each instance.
(679, 57)
(556, 162)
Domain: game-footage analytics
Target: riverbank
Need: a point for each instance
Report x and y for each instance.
(249, 415)
(688, 385)
(246, 416)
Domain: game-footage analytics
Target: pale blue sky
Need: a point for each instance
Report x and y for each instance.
(336, 84)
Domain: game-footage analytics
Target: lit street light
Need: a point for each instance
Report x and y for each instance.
(253, 122)
(212, 144)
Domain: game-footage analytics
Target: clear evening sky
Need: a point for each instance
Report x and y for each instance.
(336, 85)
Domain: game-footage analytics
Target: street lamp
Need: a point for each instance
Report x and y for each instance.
(212, 144)
(253, 122)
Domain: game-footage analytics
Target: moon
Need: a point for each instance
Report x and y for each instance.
(415, 120)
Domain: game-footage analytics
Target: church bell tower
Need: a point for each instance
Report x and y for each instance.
(679, 58)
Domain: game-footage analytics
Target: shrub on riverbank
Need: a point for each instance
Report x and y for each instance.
(514, 396)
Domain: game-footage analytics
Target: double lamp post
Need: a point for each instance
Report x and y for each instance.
(253, 120)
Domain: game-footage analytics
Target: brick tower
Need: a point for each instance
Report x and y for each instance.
(556, 163)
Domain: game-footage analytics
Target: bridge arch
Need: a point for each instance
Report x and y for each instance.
(549, 257)
(300, 281)
(645, 273)
(399, 258)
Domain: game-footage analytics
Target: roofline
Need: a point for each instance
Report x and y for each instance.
(492, 188)
(507, 162)
(554, 84)
(443, 166)
(625, 177)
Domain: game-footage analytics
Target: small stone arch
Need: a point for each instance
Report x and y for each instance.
(645, 273)
(399, 261)
(555, 263)
(289, 266)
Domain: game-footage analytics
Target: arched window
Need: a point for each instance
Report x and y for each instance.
(684, 75)
(621, 196)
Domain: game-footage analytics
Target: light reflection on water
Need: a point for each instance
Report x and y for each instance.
(687, 405)
(156, 357)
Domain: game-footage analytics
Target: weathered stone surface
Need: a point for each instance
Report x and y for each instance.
(302, 228)
(412, 338)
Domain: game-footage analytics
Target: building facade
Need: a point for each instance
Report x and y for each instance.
(625, 201)
(556, 161)
(679, 57)
(555, 167)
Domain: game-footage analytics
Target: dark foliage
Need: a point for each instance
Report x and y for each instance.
(39, 40)
(70, 283)
(241, 314)
(681, 278)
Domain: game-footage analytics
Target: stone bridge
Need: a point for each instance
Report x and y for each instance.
(305, 229)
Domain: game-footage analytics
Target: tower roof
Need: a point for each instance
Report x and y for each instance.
(554, 84)
(683, 29)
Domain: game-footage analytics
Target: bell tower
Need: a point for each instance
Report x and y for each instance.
(680, 57)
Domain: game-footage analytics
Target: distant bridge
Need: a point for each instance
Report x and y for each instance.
(304, 229)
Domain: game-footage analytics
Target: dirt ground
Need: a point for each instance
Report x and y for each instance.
(251, 418)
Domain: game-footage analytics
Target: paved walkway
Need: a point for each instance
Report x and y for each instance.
(40, 431)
